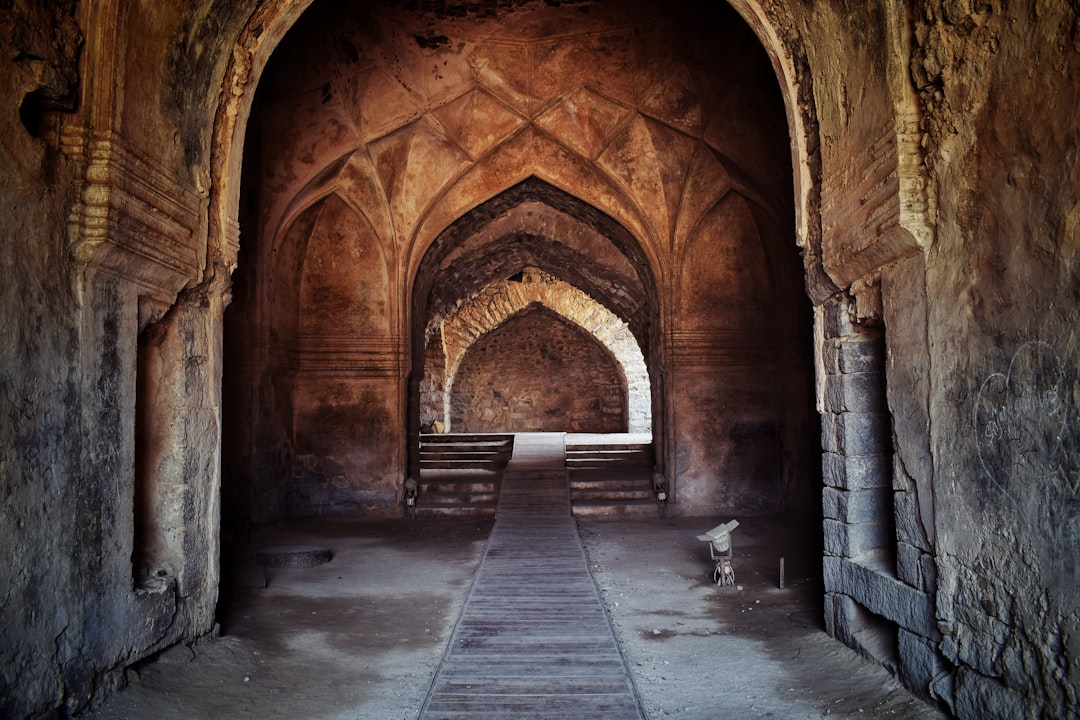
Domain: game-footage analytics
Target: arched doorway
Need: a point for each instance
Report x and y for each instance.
(447, 341)
(610, 156)
(535, 243)
(538, 373)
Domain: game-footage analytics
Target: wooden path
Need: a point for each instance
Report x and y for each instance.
(533, 641)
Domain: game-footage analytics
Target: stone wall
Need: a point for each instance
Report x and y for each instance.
(109, 364)
(935, 205)
(977, 299)
(1003, 400)
(538, 373)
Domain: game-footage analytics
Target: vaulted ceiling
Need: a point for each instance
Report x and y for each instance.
(595, 144)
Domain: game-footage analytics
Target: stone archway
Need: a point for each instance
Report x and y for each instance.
(537, 372)
(448, 342)
(635, 110)
(697, 227)
(535, 244)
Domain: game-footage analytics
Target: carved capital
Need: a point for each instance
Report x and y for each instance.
(131, 218)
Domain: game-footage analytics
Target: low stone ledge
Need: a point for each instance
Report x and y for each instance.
(883, 595)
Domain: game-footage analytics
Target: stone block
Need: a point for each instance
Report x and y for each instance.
(857, 392)
(864, 433)
(929, 573)
(831, 439)
(851, 540)
(909, 565)
(882, 594)
(831, 503)
(833, 470)
(841, 617)
(977, 697)
(909, 527)
(867, 506)
(835, 318)
(834, 394)
(834, 537)
(830, 613)
(869, 634)
(830, 357)
(861, 356)
(855, 506)
(863, 472)
(920, 664)
(867, 471)
(901, 481)
(832, 573)
(864, 392)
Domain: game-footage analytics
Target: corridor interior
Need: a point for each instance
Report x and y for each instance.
(531, 614)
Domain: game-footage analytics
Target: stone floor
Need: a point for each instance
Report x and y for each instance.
(361, 637)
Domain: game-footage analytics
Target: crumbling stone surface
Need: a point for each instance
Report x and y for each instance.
(42, 42)
(998, 83)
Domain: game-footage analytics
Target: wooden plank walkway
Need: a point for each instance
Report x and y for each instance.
(533, 641)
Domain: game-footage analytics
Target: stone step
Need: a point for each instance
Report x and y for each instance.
(594, 479)
(499, 451)
(454, 453)
(611, 495)
(609, 455)
(450, 485)
(606, 451)
(612, 489)
(593, 463)
(618, 447)
(463, 453)
(451, 496)
(491, 464)
(614, 509)
(457, 502)
(455, 510)
(493, 443)
(460, 474)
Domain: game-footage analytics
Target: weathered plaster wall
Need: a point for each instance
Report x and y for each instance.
(998, 80)
(101, 230)
(949, 214)
(40, 425)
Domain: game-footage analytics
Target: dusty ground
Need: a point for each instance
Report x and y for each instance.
(361, 637)
(701, 652)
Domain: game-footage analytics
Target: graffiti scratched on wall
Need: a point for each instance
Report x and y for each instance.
(1021, 418)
